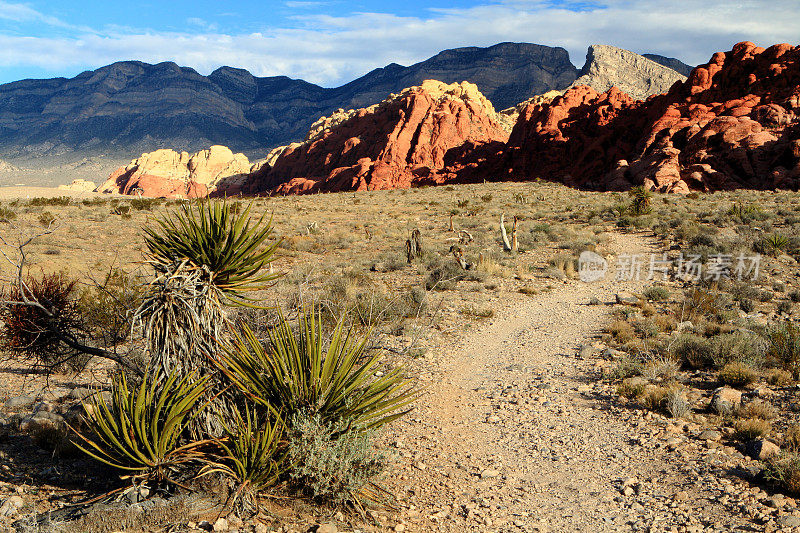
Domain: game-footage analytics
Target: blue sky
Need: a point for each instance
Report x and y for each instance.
(331, 41)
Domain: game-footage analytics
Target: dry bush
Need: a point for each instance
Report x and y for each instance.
(622, 331)
(693, 351)
(737, 374)
(757, 409)
(750, 428)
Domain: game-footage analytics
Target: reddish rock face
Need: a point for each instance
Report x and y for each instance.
(412, 138)
(733, 123)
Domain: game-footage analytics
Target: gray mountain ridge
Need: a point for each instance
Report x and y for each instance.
(131, 107)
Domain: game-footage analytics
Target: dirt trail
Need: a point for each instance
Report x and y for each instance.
(513, 434)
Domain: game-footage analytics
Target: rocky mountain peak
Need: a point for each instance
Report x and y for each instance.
(608, 66)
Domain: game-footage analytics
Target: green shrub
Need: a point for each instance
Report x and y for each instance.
(139, 431)
(784, 471)
(739, 346)
(656, 293)
(625, 367)
(331, 462)
(55, 201)
(784, 346)
(232, 247)
(693, 351)
(298, 372)
(6, 214)
(46, 218)
(253, 455)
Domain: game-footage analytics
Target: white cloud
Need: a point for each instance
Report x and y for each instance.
(332, 50)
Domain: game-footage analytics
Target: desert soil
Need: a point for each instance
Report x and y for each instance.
(515, 433)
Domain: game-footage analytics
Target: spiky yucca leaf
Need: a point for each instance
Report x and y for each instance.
(298, 373)
(253, 454)
(139, 431)
(642, 199)
(210, 234)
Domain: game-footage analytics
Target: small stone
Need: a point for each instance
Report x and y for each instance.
(56, 395)
(489, 473)
(493, 419)
(205, 526)
(399, 528)
(261, 528)
(19, 402)
(710, 435)
(221, 524)
(725, 399)
(788, 521)
(680, 496)
(594, 300)
(327, 528)
(626, 298)
(628, 491)
(11, 506)
(80, 393)
(762, 449)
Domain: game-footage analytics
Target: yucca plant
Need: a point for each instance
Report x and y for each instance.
(642, 199)
(230, 245)
(253, 455)
(140, 430)
(297, 372)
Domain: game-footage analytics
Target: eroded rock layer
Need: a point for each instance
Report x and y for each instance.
(415, 137)
(733, 123)
(169, 174)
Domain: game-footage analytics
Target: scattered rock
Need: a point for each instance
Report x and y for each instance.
(710, 435)
(20, 402)
(626, 298)
(762, 449)
(11, 506)
(329, 527)
(725, 399)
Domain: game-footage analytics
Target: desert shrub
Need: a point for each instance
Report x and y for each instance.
(657, 293)
(654, 398)
(46, 328)
(621, 330)
(675, 403)
(46, 218)
(784, 346)
(737, 374)
(107, 307)
(757, 409)
(331, 462)
(141, 204)
(139, 430)
(778, 377)
(477, 312)
(794, 296)
(631, 388)
(784, 471)
(693, 351)
(791, 438)
(641, 203)
(646, 329)
(625, 367)
(253, 455)
(747, 305)
(660, 369)
(785, 307)
(443, 276)
(750, 428)
(55, 201)
(7, 214)
(739, 346)
(91, 202)
(298, 372)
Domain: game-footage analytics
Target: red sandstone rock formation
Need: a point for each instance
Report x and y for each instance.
(733, 123)
(412, 138)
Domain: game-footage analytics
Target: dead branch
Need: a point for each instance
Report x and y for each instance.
(506, 244)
